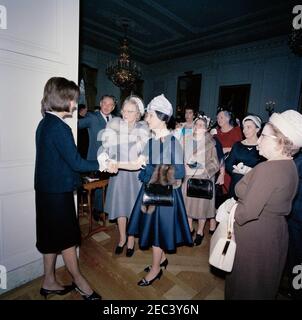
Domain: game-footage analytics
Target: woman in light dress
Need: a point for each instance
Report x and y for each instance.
(124, 140)
(201, 161)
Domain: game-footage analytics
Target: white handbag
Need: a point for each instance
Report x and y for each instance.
(223, 245)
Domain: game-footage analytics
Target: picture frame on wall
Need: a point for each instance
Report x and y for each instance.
(235, 98)
(188, 92)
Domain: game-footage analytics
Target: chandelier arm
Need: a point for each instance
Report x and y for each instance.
(123, 72)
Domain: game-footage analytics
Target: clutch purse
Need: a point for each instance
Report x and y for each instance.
(158, 195)
(200, 188)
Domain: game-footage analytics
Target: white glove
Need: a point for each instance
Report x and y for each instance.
(141, 160)
(112, 166)
(213, 131)
(103, 159)
(224, 210)
(241, 168)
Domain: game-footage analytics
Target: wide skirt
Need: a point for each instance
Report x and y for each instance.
(166, 227)
(121, 194)
(56, 222)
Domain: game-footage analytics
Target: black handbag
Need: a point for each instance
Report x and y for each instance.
(158, 195)
(200, 188)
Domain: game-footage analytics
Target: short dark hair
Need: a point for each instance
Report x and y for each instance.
(162, 116)
(58, 93)
(228, 113)
(81, 107)
(109, 96)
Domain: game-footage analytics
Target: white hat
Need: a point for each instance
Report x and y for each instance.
(139, 104)
(253, 118)
(161, 104)
(290, 124)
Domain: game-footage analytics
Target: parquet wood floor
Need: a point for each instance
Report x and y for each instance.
(188, 275)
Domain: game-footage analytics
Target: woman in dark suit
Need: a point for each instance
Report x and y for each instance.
(56, 177)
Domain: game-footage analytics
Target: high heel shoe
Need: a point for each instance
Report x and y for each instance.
(162, 265)
(119, 249)
(145, 283)
(211, 232)
(130, 252)
(198, 239)
(92, 296)
(61, 292)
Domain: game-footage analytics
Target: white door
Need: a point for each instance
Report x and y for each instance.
(40, 41)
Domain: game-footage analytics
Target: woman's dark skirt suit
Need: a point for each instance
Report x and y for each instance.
(56, 177)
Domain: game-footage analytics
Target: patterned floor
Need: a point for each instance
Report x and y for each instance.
(188, 275)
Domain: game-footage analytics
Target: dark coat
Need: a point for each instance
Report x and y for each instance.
(57, 159)
(265, 196)
(95, 123)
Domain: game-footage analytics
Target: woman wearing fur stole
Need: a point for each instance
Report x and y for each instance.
(124, 140)
(201, 162)
(162, 227)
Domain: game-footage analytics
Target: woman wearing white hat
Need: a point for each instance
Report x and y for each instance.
(166, 227)
(265, 197)
(124, 139)
(244, 154)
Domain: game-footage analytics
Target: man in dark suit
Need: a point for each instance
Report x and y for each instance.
(95, 122)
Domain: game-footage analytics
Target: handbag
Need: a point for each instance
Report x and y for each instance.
(200, 188)
(223, 245)
(158, 195)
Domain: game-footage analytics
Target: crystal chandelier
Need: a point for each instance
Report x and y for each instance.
(123, 72)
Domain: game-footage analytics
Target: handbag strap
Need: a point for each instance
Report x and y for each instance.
(173, 150)
(231, 220)
(205, 172)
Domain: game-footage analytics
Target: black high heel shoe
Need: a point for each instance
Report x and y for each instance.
(162, 265)
(211, 232)
(92, 296)
(145, 283)
(45, 292)
(119, 249)
(130, 252)
(198, 239)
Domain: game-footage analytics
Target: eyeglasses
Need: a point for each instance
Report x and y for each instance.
(268, 135)
(128, 111)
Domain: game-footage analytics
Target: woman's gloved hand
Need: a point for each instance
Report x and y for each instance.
(241, 168)
(103, 159)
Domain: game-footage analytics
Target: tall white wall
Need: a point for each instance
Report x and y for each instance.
(41, 41)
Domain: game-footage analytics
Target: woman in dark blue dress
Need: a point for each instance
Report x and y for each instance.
(244, 154)
(167, 226)
(56, 178)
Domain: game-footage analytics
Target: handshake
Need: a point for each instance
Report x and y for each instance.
(241, 168)
(106, 164)
(112, 166)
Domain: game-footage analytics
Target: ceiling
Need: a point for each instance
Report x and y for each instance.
(165, 29)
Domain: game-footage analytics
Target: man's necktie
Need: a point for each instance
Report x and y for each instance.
(107, 118)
